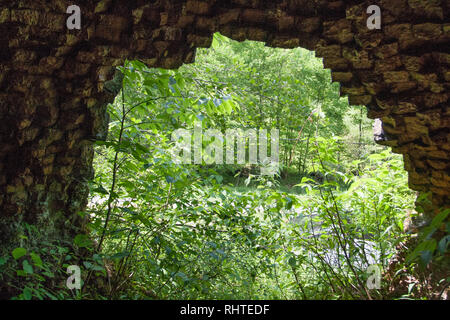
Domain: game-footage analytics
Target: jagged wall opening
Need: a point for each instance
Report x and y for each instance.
(53, 100)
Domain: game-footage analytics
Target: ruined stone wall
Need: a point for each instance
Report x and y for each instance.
(52, 102)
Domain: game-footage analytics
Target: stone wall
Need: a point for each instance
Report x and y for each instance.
(52, 102)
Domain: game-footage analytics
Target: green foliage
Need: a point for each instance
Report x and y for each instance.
(276, 88)
(429, 246)
(359, 226)
(162, 230)
(174, 231)
(18, 253)
(38, 270)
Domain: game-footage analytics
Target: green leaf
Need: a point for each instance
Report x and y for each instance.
(428, 245)
(27, 293)
(228, 107)
(439, 218)
(27, 267)
(3, 260)
(82, 241)
(21, 273)
(36, 259)
(120, 255)
(49, 274)
(18, 253)
(292, 262)
(426, 256)
(98, 268)
(289, 203)
(182, 275)
(443, 244)
(100, 190)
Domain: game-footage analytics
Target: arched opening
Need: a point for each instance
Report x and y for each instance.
(56, 78)
(188, 221)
